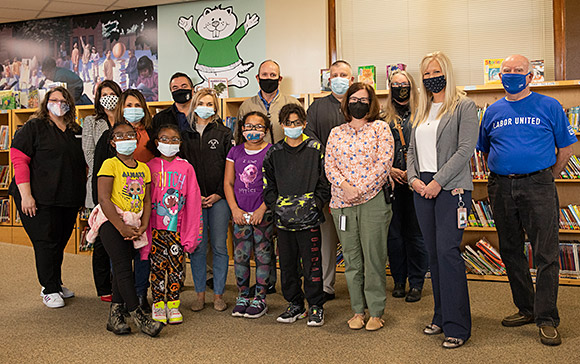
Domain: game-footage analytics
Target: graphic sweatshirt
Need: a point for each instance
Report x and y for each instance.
(176, 202)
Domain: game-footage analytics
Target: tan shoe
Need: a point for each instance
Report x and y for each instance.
(374, 324)
(198, 305)
(219, 304)
(357, 322)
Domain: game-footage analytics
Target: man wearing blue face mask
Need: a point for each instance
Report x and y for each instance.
(323, 115)
(269, 100)
(519, 135)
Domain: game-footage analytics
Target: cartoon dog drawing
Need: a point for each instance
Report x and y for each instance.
(248, 176)
(215, 39)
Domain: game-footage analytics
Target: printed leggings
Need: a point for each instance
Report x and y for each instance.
(256, 238)
(166, 258)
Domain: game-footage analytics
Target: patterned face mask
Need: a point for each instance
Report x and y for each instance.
(435, 84)
(109, 102)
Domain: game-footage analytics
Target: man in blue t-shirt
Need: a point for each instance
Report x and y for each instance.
(527, 141)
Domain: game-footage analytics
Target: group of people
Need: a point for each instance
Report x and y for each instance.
(392, 184)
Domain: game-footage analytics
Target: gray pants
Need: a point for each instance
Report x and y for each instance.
(329, 243)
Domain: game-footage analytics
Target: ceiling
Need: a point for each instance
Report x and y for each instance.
(11, 10)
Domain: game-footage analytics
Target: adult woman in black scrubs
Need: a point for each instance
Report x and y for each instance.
(49, 186)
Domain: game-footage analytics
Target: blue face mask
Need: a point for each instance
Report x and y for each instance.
(133, 114)
(126, 147)
(514, 83)
(204, 112)
(293, 133)
(339, 85)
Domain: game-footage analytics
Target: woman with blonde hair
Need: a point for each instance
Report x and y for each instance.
(407, 255)
(442, 142)
(206, 145)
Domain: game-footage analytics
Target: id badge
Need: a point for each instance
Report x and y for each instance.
(342, 222)
(461, 217)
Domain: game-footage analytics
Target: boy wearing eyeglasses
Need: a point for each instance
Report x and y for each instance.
(296, 189)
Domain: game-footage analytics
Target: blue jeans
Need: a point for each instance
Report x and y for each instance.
(142, 270)
(215, 223)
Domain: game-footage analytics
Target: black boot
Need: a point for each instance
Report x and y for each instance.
(399, 291)
(116, 322)
(145, 323)
(144, 304)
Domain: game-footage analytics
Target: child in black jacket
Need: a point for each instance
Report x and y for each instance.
(296, 189)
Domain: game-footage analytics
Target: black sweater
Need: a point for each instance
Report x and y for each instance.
(295, 184)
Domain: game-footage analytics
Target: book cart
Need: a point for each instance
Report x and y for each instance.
(568, 94)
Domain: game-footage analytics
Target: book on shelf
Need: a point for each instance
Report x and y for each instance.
(5, 210)
(4, 176)
(491, 70)
(339, 256)
(569, 258)
(481, 214)
(479, 169)
(220, 86)
(9, 100)
(570, 217)
(325, 80)
(394, 67)
(84, 245)
(368, 75)
(483, 259)
(230, 122)
(85, 213)
(4, 137)
(538, 70)
(572, 169)
(573, 115)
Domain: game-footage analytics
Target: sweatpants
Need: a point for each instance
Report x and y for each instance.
(166, 258)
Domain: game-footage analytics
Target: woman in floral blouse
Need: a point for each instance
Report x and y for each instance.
(359, 156)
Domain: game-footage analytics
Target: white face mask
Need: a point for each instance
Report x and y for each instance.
(168, 150)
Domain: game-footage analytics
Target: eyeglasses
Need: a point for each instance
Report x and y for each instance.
(258, 127)
(364, 100)
(173, 140)
(125, 136)
(400, 84)
(296, 122)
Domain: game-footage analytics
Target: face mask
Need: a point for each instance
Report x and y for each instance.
(126, 147)
(181, 96)
(401, 93)
(204, 112)
(339, 85)
(358, 109)
(514, 83)
(251, 135)
(168, 150)
(57, 109)
(269, 85)
(435, 84)
(133, 114)
(293, 133)
(109, 102)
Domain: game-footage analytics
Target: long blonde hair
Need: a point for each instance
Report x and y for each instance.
(390, 114)
(192, 116)
(452, 95)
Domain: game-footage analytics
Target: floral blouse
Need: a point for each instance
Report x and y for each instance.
(363, 158)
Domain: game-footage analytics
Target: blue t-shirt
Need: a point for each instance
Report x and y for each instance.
(521, 136)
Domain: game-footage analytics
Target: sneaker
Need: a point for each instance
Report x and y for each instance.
(242, 304)
(173, 314)
(517, 319)
(257, 309)
(293, 312)
(53, 300)
(158, 312)
(64, 292)
(315, 316)
(549, 335)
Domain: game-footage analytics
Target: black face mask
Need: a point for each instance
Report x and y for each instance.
(401, 93)
(435, 84)
(181, 96)
(269, 85)
(358, 109)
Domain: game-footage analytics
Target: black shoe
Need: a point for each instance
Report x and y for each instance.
(399, 291)
(414, 295)
(517, 319)
(145, 323)
(329, 296)
(549, 335)
(116, 322)
(144, 304)
(293, 312)
(315, 316)
(209, 283)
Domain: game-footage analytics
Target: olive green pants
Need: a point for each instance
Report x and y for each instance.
(364, 247)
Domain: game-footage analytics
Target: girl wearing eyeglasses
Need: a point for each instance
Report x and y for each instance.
(49, 186)
(121, 219)
(253, 228)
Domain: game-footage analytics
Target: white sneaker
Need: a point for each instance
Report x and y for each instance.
(53, 300)
(64, 293)
(174, 316)
(159, 313)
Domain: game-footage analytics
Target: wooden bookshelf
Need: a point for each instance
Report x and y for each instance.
(231, 106)
(6, 121)
(568, 93)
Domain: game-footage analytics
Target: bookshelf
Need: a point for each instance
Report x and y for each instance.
(5, 174)
(568, 93)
